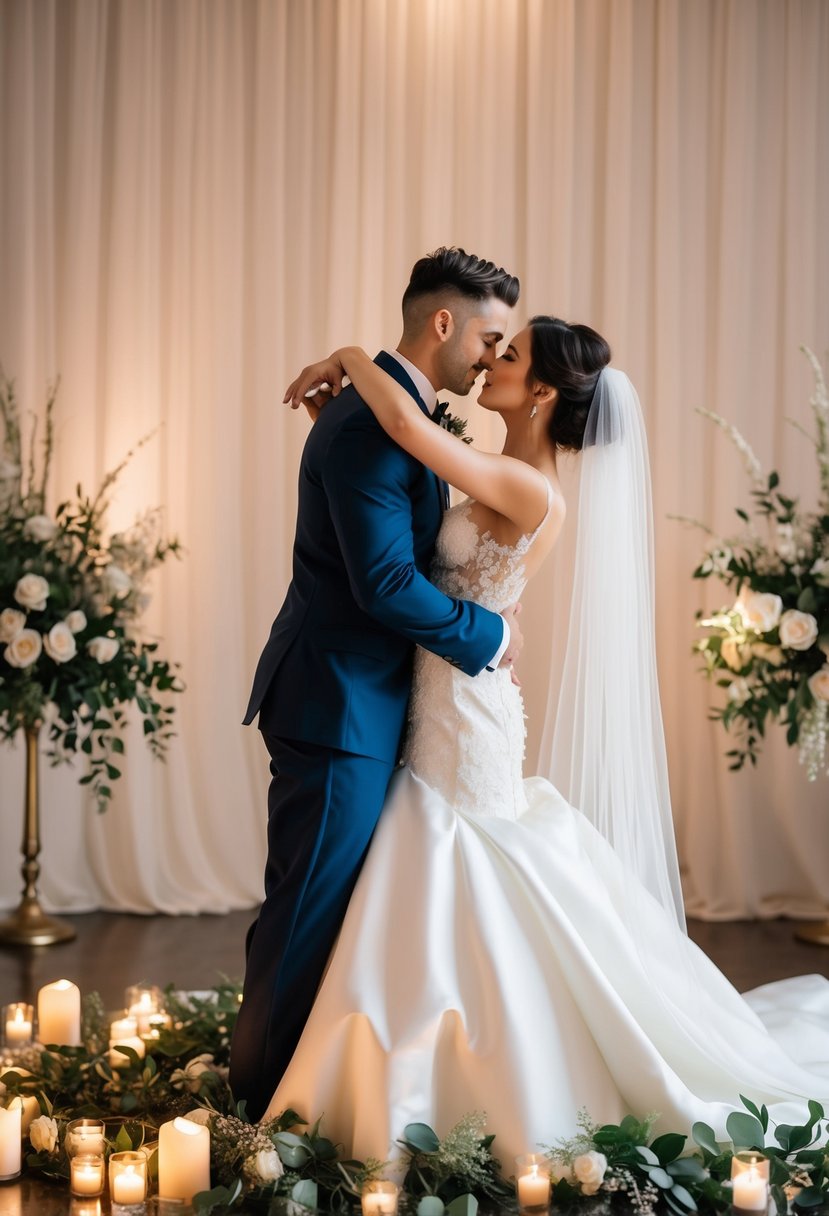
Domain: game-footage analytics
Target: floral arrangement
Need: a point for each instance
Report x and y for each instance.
(71, 652)
(769, 649)
(184, 1072)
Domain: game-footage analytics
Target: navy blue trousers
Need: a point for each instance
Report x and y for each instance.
(323, 806)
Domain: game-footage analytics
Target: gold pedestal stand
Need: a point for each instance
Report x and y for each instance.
(29, 925)
(815, 932)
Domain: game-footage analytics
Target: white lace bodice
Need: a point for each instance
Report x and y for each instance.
(466, 734)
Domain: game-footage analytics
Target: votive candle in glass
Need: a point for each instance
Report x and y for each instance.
(10, 1139)
(84, 1137)
(59, 1014)
(379, 1198)
(750, 1182)
(86, 1175)
(18, 1019)
(128, 1178)
(143, 1000)
(532, 1181)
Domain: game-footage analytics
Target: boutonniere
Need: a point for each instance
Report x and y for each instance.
(455, 425)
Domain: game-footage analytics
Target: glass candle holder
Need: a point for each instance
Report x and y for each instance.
(750, 1181)
(84, 1136)
(128, 1178)
(379, 1198)
(142, 1001)
(17, 1022)
(86, 1175)
(532, 1182)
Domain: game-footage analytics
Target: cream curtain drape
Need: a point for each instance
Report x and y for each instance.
(198, 196)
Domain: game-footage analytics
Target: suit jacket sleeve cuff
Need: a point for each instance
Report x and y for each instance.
(499, 653)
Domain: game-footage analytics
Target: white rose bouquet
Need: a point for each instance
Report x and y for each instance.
(71, 652)
(769, 649)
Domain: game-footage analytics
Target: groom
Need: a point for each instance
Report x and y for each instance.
(333, 680)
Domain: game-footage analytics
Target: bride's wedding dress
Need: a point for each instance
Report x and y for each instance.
(497, 957)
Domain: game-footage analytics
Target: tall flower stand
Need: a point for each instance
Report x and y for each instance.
(29, 925)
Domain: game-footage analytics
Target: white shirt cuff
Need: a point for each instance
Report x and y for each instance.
(499, 653)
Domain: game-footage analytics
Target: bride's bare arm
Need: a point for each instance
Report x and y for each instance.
(509, 486)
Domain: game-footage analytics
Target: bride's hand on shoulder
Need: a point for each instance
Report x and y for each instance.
(316, 385)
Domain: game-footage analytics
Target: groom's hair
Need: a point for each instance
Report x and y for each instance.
(454, 272)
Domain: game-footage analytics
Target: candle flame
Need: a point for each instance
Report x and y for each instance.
(18, 1016)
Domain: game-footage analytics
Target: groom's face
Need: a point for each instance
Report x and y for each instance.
(471, 347)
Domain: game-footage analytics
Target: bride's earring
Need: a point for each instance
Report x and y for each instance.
(534, 411)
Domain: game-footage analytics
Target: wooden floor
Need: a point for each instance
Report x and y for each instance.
(111, 952)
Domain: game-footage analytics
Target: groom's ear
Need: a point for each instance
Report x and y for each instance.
(444, 324)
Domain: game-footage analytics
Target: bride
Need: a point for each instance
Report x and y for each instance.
(512, 945)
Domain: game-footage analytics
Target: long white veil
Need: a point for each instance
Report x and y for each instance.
(607, 755)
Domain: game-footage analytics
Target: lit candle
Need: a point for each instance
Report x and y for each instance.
(18, 1025)
(59, 1014)
(183, 1159)
(128, 1177)
(379, 1198)
(119, 1059)
(143, 1003)
(10, 1137)
(750, 1181)
(533, 1182)
(85, 1137)
(86, 1175)
(123, 1028)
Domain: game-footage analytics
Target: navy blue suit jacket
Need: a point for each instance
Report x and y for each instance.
(336, 669)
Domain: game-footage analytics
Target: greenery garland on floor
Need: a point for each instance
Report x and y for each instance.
(185, 1073)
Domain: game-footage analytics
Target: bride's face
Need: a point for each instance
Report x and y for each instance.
(507, 386)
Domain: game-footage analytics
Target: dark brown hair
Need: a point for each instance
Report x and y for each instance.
(569, 358)
(455, 270)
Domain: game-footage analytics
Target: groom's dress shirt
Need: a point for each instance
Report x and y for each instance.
(429, 397)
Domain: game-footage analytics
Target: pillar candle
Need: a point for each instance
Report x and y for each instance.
(30, 1107)
(183, 1159)
(10, 1137)
(59, 1014)
(751, 1191)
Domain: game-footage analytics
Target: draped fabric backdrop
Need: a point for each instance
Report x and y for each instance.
(199, 196)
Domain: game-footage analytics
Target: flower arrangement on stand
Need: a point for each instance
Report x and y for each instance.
(71, 599)
(769, 649)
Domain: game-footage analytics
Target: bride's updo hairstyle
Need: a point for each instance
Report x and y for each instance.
(569, 358)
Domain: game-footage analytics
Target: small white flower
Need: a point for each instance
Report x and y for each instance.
(717, 560)
(76, 621)
(39, 527)
(116, 581)
(12, 620)
(739, 691)
(43, 1134)
(821, 571)
(103, 649)
(759, 612)
(819, 684)
(24, 649)
(268, 1165)
(589, 1169)
(798, 630)
(200, 1115)
(32, 592)
(786, 546)
(190, 1076)
(59, 643)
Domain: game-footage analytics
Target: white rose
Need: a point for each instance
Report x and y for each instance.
(589, 1169)
(200, 1115)
(759, 612)
(739, 691)
(798, 630)
(819, 684)
(821, 571)
(12, 620)
(24, 649)
(103, 649)
(39, 527)
(268, 1165)
(116, 581)
(59, 643)
(76, 621)
(189, 1077)
(735, 655)
(43, 1134)
(32, 591)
